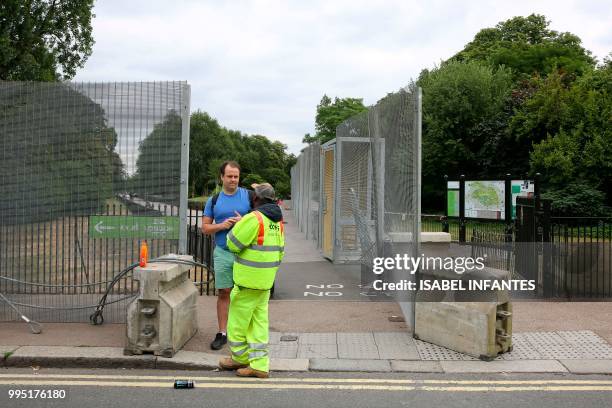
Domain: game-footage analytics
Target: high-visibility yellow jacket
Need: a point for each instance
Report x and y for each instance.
(259, 244)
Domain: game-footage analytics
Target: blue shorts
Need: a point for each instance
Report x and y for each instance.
(224, 264)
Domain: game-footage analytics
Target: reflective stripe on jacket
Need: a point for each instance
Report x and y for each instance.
(259, 244)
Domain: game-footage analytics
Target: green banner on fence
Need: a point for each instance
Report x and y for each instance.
(126, 226)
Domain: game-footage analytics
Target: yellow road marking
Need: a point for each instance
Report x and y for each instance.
(269, 385)
(520, 388)
(262, 385)
(306, 380)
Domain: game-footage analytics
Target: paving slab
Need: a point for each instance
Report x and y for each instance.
(522, 351)
(283, 350)
(544, 338)
(398, 352)
(322, 364)
(588, 366)
(403, 366)
(385, 338)
(580, 337)
(189, 360)
(274, 337)
(317, 351)
(289, 364)
(366, 337)
(318, 338)
(357, 346)
(65, 356)
(429, 351)
(523, 366)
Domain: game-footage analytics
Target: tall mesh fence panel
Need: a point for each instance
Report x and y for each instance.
(88, 171)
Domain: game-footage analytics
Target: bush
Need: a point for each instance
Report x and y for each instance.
(577, 200)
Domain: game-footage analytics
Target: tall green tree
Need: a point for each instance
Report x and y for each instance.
(331, 114)
(569, 126)
(44, 40)
(527, 46)
(158, 166)
(260, 158)
(463, 123)
(59, 154)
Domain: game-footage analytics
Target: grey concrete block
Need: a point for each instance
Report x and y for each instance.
(61, 356)
(318, 338)
(189, 360)
(283, 350)
(416, 366)
(322, 364)
(317, 351)
(289, 364)
(531, 366)
(588, 366)
(164, 315)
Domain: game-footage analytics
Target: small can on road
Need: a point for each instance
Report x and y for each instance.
(183, 384)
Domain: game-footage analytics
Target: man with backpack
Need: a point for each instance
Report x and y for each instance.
(222, 211)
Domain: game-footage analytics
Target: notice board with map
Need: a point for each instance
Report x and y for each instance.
(486, 199)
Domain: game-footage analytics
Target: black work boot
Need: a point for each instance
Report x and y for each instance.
(218, 342)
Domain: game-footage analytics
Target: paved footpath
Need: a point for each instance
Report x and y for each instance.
(578, 352)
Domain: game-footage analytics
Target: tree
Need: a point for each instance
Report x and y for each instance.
(463, 122)
(158, 166)
(210, 145)
(569, 127)
(527, 46)
(59, 155)
(260, 159)
(331, 114)
(44, 40)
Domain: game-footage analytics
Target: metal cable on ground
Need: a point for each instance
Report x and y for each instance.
(35, 327)
(96, 318)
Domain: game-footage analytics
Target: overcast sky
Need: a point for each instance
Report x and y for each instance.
(261, 67)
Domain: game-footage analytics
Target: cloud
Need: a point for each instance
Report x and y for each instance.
(262, 66)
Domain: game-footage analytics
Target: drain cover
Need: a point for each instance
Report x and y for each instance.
(288, 338)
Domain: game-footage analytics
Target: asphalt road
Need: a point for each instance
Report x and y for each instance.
(146, 389)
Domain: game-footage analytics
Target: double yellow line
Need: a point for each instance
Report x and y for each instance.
(352, 384)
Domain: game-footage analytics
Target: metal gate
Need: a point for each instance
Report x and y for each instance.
(328, 188)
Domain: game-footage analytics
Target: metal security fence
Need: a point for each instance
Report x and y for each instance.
(88, 171)
(368, 181)
(368, 178)
(305, 182)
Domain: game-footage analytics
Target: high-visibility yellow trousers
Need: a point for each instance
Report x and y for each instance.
(247, 327)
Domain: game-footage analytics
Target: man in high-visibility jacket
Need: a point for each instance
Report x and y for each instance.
(258, 242)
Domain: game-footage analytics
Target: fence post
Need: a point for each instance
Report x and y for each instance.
(444, 220)
(462, 208)
(508, 219)
(547, 275)
(184, 177)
